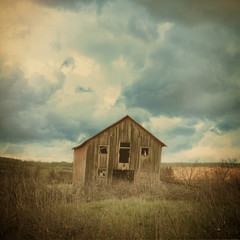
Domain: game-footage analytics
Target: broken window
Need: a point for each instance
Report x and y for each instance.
(102, 172)
(125, 144)
(145, 151)
(103, 149)
(124, 152)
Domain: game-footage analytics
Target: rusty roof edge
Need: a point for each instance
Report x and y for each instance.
(127, 116)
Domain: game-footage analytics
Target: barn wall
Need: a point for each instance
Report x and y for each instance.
(124, 131)
(92, 156)
(79, 166)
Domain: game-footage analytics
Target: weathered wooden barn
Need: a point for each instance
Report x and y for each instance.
(124, 150)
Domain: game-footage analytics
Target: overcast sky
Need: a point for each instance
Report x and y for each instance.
(68, 69)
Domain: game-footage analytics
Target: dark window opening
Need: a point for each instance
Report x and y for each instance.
(102, 172)
(124, 144)
(124, 155)
(124, 152)
(103, 149)
(145, 151)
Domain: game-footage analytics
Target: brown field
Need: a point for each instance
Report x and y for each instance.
(201, 173)
(190, 202)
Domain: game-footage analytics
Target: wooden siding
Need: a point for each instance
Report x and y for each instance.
(79, 166)
(125, 131)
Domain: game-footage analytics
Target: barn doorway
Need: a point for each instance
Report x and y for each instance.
(123, 175)
(124, 152)
(123, 155)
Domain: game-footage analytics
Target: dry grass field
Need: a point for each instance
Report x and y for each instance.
(190, 202)
(194, 174)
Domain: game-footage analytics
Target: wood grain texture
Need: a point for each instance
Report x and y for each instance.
(79, 166)
(144, 167)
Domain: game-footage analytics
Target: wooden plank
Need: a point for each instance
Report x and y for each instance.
(79, 166)
(124, 131)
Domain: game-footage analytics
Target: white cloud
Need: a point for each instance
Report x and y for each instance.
(205, 145)
(162, 30)
(58, 150)
(120, 64)
(107, 52)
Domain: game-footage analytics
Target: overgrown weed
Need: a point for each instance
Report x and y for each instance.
(33, 207)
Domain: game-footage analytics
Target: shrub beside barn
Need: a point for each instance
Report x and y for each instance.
(124, 150)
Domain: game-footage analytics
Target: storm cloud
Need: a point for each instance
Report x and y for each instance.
(72, 5)
(80, 89)
(192, 13)
(191, 78)
(21, 103)
(68, 69)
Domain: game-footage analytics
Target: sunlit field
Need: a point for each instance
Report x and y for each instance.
(192, 201)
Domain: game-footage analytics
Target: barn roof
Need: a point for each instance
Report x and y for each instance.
(82, 144)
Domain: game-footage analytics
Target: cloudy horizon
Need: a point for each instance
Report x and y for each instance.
(69, 69)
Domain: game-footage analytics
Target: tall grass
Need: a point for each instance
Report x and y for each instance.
(37, 207)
